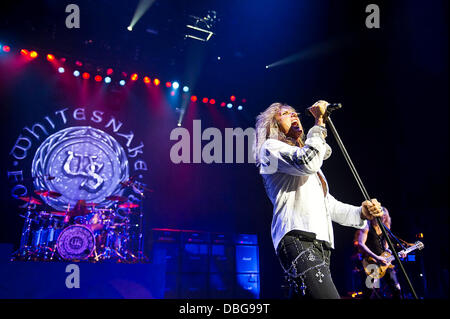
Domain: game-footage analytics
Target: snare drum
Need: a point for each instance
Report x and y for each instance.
(76, 242)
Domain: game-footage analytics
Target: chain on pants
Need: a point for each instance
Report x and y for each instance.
(307, 264)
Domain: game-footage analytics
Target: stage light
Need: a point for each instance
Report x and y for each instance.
(86, 75)
(76, 73)
(6, 48)
(193, 98)
(185, 89)
(50, 57)
(168, 84)
(147, 80)
(205, 100)
(212, 101)
(122, 82)
(134, 77)
(156, 82)
(78, 63)
(109, 71)
(33, 54)
(98, 78)
(223, 104)
(141, 8)
(61, 69)
(24, 52)
(172, 93)
(179, 124)
(233, 98)
(229, 105)
(175, 85)
(240, 107)
(107, 79)
(244, 100)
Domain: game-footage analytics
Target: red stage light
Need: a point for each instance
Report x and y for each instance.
(147, 80)
(212, 101)
(109, 71)
(86, 75)
(98, 78)
(24, 52)
(134, 77)
(172, 93)
(6, 48)
(168, 84)
(205, 100)
(50, 57)
(193, 98)
(244, 100)
(78, 63)
(33, 54)
(156, 82)
(223, 104)
(62, 60)
(233, 98)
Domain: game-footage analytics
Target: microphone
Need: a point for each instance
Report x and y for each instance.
(330, 108)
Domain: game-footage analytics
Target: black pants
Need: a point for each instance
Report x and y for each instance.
(390, 280)
(306, 261)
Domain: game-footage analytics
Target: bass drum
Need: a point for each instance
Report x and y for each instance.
(76, 242)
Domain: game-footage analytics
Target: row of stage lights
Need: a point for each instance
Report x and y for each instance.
(133, 77)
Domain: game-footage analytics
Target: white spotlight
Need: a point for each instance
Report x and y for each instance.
(130, 28)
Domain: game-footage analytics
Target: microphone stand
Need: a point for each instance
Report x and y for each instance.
(367, 197)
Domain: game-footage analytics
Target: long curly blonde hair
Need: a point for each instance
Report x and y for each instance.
(267, 127)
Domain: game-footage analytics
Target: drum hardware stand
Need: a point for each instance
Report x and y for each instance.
(24, 249)
(367, 197)
(137, 188)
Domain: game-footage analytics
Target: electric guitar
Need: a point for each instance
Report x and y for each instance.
(389, 258)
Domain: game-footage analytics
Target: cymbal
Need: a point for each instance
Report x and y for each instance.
(46, 193)
(91, 204)
(53, 213)
(31, 200)
(116, 198)
(128, 205)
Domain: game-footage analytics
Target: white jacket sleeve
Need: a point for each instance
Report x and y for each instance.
(280, 157)
(345, 214)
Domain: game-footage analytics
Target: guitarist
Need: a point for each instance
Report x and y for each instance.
(372, 243)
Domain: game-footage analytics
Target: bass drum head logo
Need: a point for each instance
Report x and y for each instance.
(76, 242)
(86, 163)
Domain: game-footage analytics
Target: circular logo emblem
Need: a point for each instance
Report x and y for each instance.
(84, 164)
(75, 242)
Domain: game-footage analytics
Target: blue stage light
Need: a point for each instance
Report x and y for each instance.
(240, 107)
(229, 105)
(107, 79)
(76, 73)
(61, 69)
(122, 82)
(175, 85)
(185, 89)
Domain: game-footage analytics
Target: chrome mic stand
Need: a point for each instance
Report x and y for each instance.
(366, 195)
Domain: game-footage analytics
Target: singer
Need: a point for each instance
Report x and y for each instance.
(303, 208)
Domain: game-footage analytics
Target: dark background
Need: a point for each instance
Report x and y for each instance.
(392, 82)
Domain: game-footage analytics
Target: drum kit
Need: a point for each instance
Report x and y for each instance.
(86, 232)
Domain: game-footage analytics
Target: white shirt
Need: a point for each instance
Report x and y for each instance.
(296, 192)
